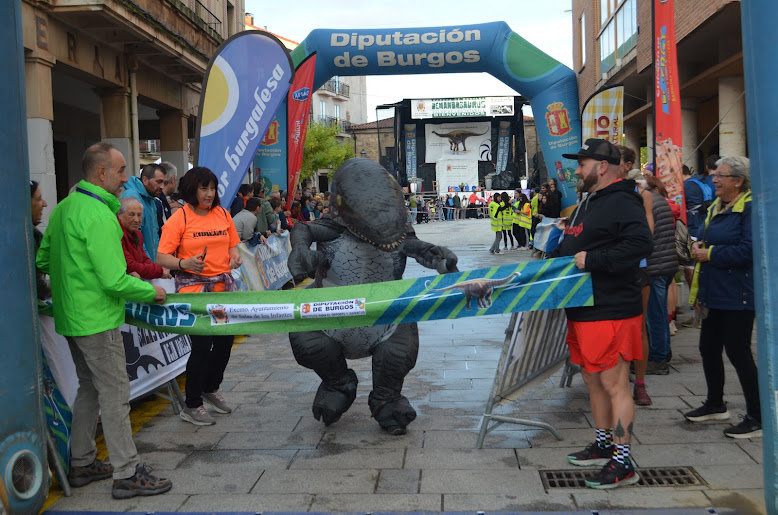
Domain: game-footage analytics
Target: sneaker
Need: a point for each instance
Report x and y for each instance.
(641, 395)
(673, 328)
(693, 322)
(591, 456)
(749, 427)
(197, 416)
(707, 412)
(82, 476)
(141, 483)
(216, 399)
(657, 368)
(613, 475)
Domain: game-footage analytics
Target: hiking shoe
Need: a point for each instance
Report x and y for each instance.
(141, 483)
(216, 399)
(641, 395)
(197, 416)
(707, 412)
(749, 427)
(591, 456)
(673, 328)
(613, 475)
(657, 368)
(82, 476)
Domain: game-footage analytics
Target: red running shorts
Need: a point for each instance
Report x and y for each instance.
(597, 345)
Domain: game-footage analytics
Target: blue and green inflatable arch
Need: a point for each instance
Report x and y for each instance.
(487, 47)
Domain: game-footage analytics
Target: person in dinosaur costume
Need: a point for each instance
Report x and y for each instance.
(366, 239)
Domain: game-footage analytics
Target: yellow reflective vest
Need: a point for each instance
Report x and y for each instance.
(495, 217)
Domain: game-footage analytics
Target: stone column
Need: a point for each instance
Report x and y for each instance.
(40, 136)
(115, 124)
(173, 139)
(732, 113)
(650, 136)
(632, 140)
(689, 134)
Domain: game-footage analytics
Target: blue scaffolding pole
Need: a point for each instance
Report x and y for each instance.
(760, 39)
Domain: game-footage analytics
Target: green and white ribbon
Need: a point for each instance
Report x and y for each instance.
(528, 286)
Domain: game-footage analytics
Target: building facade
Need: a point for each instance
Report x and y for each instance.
(119, 71)
(612, 44)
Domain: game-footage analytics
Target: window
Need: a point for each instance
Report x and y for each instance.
(582, 41)
(337, 113)
(322, 110)
(618, 31)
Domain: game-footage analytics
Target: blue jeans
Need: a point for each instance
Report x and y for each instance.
(657, 320)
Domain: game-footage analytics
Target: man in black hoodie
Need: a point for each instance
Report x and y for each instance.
(608, 235)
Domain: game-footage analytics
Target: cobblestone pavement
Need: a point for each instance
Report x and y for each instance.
(271, 455)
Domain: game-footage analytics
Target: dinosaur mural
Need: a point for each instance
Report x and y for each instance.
(457, 137)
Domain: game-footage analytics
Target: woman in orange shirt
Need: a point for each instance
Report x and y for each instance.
(200, 242)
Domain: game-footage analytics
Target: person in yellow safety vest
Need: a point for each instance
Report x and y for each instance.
(507, 221)
(522, 220)
(495, 218)
(534, 214)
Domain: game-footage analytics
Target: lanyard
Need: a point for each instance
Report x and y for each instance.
(85, 192)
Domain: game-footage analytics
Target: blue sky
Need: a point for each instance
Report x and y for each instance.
(547, 24)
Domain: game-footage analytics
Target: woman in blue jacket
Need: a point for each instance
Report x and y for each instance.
(724, 288)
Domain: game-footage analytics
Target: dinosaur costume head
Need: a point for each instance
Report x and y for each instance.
(369, 203)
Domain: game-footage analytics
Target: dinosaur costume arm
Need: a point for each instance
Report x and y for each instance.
(429, 255)
(302, 260)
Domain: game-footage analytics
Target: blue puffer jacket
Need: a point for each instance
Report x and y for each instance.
(727, 280)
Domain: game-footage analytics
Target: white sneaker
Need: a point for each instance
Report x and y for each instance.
(197, 416)
(673, 328)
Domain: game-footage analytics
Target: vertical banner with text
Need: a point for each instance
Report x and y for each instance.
(298, 107)
(602, 114)
(245, 83)
(270, 161)
(410, 151)
(503, 146)
(668, 145)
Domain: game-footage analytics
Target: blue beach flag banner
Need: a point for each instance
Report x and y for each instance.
(246, 81)
(535, 285)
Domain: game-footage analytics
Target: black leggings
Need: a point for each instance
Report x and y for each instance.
(730, 331)
(205, 366)
(521, 235)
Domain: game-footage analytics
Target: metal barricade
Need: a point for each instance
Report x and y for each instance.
(534, 349)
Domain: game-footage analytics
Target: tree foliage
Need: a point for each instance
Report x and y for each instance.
(323, 150)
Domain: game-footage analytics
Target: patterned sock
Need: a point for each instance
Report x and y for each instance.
(604, 438)
(621, 453)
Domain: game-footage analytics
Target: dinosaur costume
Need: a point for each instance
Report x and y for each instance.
(366, 239)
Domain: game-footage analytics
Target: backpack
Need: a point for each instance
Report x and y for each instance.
(683, 244)
(707, 193)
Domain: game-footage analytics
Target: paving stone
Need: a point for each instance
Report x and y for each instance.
(744, 500)
(334, 481)
(270, 440)
(376, 502)
(681, 432)
(518, 500)
(753, 447)
(724, 453)
(255, 503)
(484, 482)
(330, 457)
(732, 477)
(81, 502)
(372, 438)
(462, 459)
(632, 497)
(398, 481)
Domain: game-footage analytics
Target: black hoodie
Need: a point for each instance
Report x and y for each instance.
(610, 225)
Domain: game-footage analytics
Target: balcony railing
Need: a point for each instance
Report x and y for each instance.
(336, 87)
(208, 17)
(331, 120)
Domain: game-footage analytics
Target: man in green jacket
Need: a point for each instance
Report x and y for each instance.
(82, 253)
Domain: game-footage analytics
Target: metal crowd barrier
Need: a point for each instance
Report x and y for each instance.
(534, 349)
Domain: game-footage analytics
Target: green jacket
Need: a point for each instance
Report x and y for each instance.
(82, 252)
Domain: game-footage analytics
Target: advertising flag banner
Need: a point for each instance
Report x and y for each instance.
(298, 107)
(503, 146)
(270, 160)
(668, 145)
(602, 115)
(264, 265)
(245, 83)
(527, 286)
(468, 140)
(410, 151)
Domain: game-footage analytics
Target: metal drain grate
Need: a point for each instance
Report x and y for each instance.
(657, 476)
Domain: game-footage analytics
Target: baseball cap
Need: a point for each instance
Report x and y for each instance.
(599, 149)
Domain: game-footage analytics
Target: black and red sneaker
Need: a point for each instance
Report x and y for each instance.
(613, 475)
(591, 456)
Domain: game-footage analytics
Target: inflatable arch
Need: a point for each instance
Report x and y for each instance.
(487, 47)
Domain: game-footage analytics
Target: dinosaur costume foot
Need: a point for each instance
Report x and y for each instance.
(393, 416)
(334, 399)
